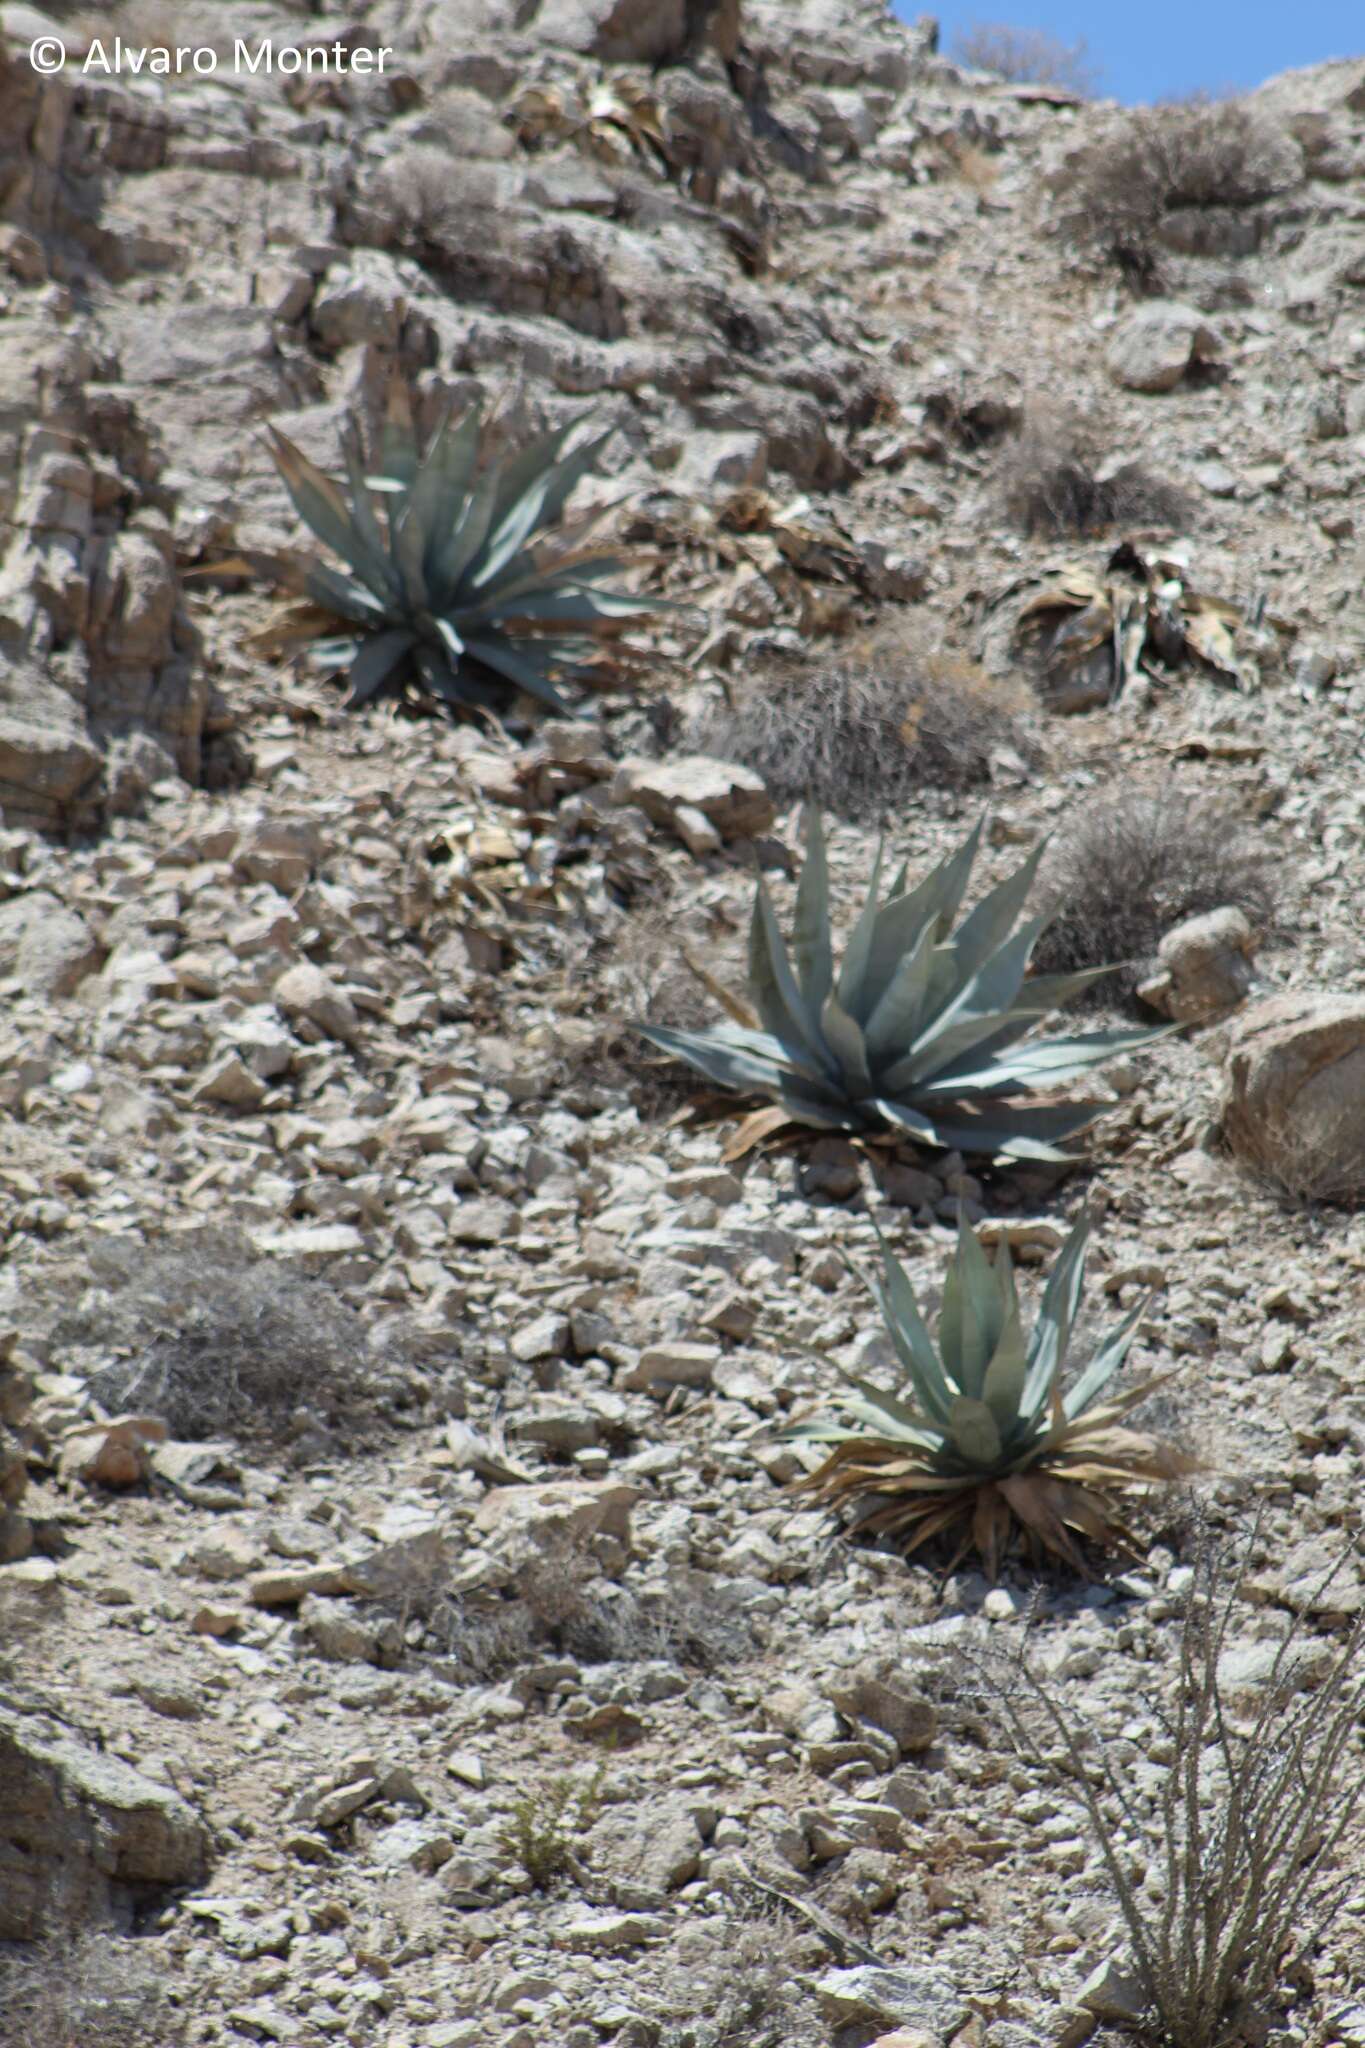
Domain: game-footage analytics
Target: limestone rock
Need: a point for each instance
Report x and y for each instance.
(82, 1833)
(46, 944)
(623, 31)
(1154, 347)
(909, 1718)
(1294, 1097)
(732, 799)
(1204, 967)
(883, 1997)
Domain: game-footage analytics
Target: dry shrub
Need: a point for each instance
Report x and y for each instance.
(1128, 190)
(859, 734)
(740, 1982)
(971, 164)
(218, 1340)
(1027, 56)
(1230, 1867)
(420, 187)
(563, 1605)
(85, 1991)
(645, 980)
(1051, 484)
(1133, 864)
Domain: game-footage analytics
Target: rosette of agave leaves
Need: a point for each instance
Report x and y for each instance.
(462, 581)
(982, 1443)
(921, 1028)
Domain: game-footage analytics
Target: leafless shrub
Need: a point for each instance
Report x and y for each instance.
(1027, 56)
(87, 1991)
(738, 1984)
(1051, 483)
(1134, 863)
(1228, 1872)
(563, 1604)
(859, 735)
(645, 979)
(1127, 191)
(218, 1340)
(420, 188)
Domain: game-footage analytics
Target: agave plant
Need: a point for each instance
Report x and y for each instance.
(462, 581)
(920, 1032)
(982, 1442)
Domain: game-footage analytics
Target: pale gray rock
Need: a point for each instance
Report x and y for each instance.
(1205, 967)
(1154, 347)
(47, 945)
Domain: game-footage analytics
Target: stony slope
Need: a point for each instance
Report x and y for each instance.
(504, 1505)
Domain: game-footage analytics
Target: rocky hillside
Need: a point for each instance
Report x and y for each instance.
(407, 1634)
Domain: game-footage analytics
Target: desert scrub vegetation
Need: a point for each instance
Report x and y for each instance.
(564, 1605)
(981, 1444)
(646, 977)
(1225, 1849)
(546, 1825)
(920, 1030)
(464, 584)
(219, 1341)
(858, 735)
(1133, 864)
(1027, 56)
(1181, 176)
(88, 1990)
(739, 1982)
(1052, 481)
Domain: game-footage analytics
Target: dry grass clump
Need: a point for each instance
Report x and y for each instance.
(1027, 56)
(859, 734)
(1134, 863)
(1127, 191)
(1225, 1850)
(85, 1991)
(1051, 483)
(217, 1340)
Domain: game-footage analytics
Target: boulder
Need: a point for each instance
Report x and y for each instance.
(909, 1718)
(49, 768)
(47, 945)
(83, 1836)
(1154, 347)
(1204, 967)
(623, 31)
(731, 799)
(866, 1995)
(1294, 1098)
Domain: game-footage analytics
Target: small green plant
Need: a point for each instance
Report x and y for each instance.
(920, 1031)
(546, 1824)
(463, 582)
(982, 1441)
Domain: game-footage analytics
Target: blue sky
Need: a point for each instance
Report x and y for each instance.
(1162, 47)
